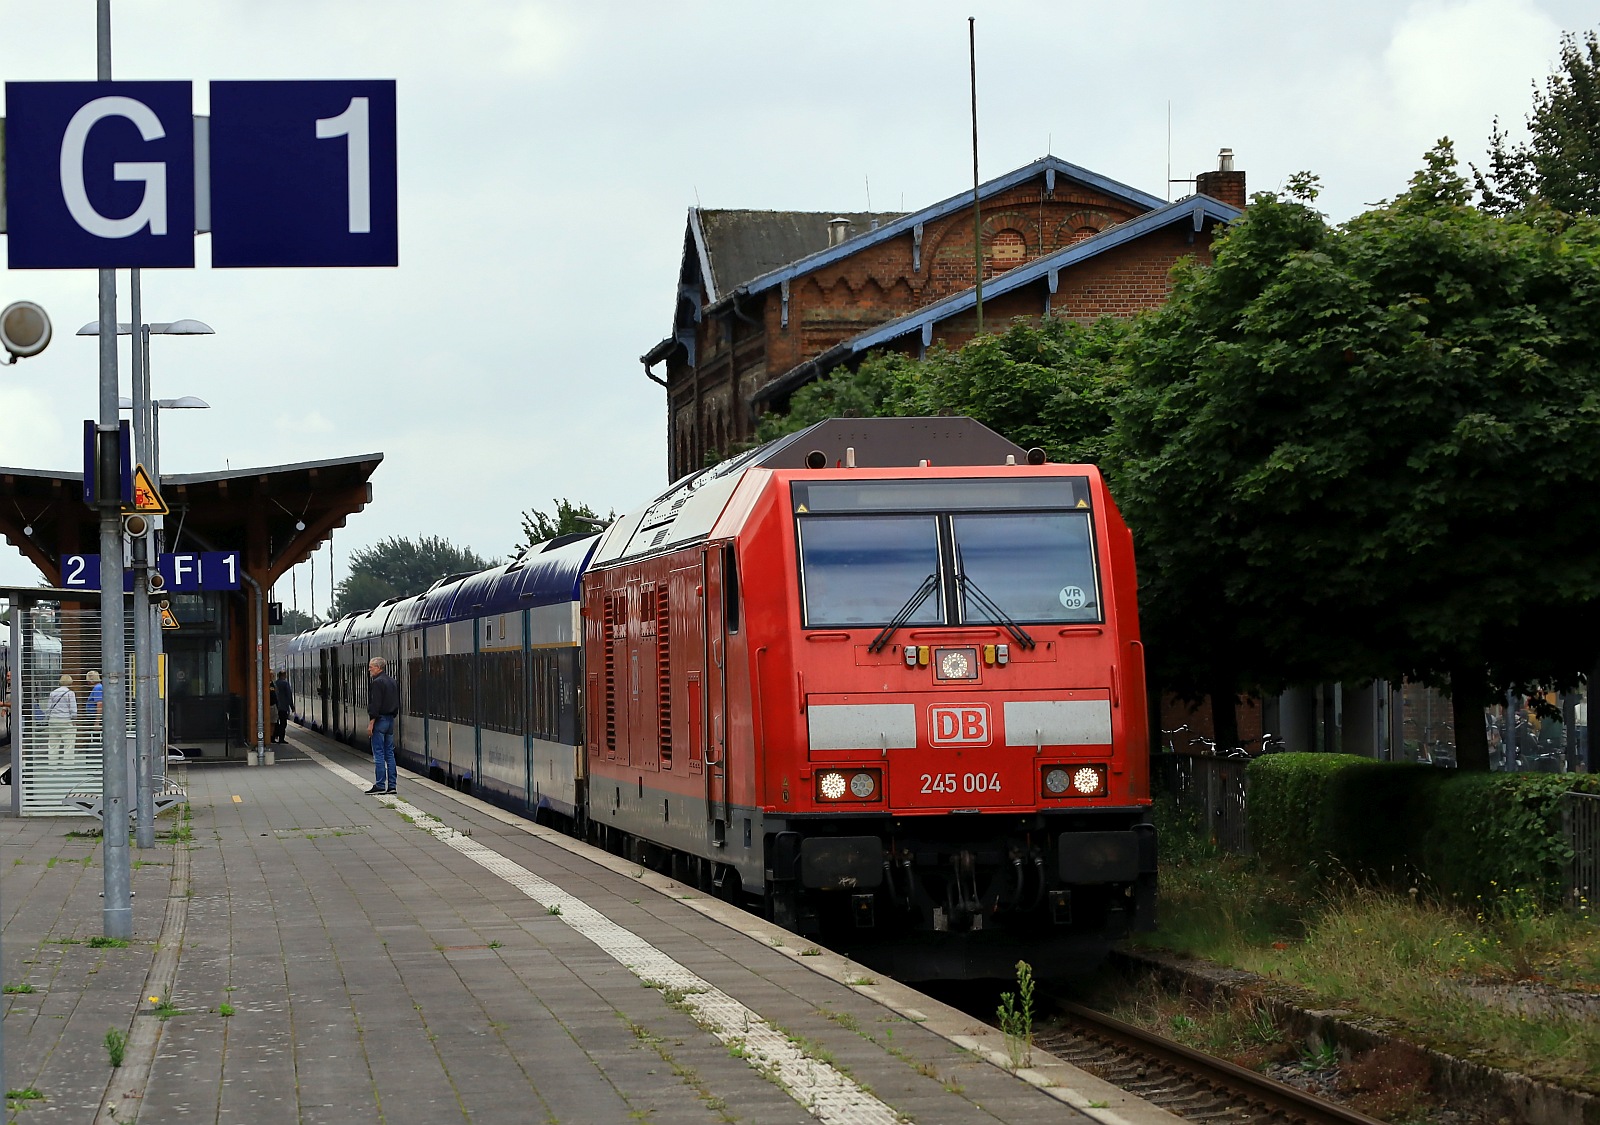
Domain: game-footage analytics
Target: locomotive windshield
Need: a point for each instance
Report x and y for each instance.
(995, 550)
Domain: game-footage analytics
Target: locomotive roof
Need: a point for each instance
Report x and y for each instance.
(688, 510)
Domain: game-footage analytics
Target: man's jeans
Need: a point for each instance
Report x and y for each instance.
(383, 752)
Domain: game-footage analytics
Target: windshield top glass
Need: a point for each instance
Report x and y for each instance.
(861, 571)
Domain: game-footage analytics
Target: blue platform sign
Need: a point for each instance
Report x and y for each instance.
(304, 174)
(184, 572)
(99, 174)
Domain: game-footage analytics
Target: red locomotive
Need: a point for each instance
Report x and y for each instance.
(886, 675)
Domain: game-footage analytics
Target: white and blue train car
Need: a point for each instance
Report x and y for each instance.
(489, 671)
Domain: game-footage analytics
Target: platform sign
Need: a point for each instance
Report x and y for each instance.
(99, 174)
(183, 572)
(304, 174)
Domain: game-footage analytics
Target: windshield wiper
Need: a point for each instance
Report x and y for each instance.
(929, 585)
(1000, 617)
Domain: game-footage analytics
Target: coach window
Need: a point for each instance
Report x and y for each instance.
(730, 589)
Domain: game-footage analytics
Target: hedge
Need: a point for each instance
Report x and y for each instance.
(1464, 834)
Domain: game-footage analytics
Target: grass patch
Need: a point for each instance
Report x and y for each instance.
(1480, 980)
(225, 1010)
(100, 941)
(19, 989)
(116, 1046)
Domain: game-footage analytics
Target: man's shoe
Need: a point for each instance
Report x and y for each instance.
(389, 791)
(377, 789)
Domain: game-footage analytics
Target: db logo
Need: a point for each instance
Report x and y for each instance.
(959, 726)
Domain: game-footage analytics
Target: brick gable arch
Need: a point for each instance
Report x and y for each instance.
(1082, 224)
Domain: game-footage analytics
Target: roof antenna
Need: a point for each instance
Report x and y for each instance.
(977, 216)
(697, 206)
(1169, 150)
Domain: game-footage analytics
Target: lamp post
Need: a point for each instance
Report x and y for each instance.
(150, 724)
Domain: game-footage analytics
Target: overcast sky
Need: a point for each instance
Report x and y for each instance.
(548, 154)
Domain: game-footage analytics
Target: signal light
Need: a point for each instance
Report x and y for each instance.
(135, 525)
(157, 582)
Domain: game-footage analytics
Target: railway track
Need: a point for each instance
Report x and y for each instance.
(1179, 1079)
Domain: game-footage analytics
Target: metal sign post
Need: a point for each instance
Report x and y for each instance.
(117, 913)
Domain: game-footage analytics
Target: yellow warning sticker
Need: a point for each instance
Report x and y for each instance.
(145, 496)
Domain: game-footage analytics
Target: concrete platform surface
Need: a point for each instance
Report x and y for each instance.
(304, 952)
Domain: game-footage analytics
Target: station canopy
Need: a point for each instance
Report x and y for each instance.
(275, 517)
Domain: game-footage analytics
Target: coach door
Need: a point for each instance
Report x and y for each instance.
(325, 687)
(719, 567)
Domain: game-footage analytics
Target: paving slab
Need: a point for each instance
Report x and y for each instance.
(322, 955)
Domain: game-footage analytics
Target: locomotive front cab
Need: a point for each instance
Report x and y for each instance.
(973, 724)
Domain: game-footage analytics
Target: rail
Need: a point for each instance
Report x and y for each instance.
(1208, 1073)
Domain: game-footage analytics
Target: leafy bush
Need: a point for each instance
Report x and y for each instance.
(1492, 835)
(1471, 835)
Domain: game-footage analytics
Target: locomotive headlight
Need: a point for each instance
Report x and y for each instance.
(831, 785)
(863, 785)
(1088, 781)
(1056, 781)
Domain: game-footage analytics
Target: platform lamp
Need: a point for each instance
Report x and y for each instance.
(157, 405)
(156, 328)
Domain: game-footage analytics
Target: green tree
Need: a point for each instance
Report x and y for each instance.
(1369, 451)
(1559, 163)
(566, 518)
(399, 567)
(1048, 384)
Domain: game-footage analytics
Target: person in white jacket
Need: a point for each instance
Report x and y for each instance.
(61, 720)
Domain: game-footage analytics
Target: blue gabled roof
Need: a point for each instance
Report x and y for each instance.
(1050, 167)
(1198, 209)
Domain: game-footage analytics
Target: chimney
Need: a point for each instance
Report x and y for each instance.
(1224, 184)
(838, 230)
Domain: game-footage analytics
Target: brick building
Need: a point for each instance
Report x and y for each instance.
(768, 301)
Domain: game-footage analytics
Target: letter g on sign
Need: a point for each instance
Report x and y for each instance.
(152, 209)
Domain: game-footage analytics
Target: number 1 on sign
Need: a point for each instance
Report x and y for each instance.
(352, 123)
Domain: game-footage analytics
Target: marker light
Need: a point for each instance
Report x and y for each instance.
(1056, 781)
(863, 785)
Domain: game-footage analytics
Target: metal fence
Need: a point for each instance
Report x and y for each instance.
(1215, 789)
(1580, 821)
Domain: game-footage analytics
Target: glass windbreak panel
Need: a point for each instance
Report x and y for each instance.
(1036, 566)
(859, 570)
(940, 495)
